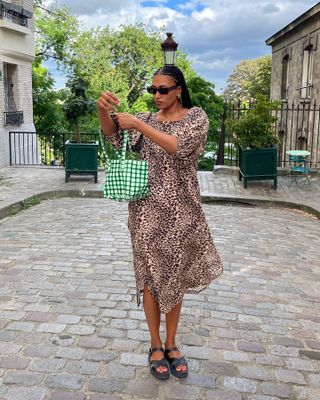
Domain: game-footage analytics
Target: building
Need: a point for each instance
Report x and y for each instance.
(17, 45)
(295, 81)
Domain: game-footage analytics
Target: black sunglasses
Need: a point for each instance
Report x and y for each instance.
(161, 90)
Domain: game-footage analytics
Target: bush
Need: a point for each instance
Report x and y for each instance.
(255, 126)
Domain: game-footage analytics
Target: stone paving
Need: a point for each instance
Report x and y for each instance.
(18, 183)
(70, 328)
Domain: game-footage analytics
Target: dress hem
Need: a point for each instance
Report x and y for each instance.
(185, 291)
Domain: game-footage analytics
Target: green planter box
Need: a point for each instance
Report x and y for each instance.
(81, 159)
(258, 164)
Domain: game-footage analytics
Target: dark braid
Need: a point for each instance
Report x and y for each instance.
(176, 74)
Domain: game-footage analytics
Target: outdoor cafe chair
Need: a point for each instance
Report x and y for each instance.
(298, 170)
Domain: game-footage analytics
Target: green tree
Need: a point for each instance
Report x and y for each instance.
(94, 63)
(262, 80)
(248, 79)
(203, 95)
(47, 110)
(122, 61)
(77, 105)
(55, 31)
(255, 127)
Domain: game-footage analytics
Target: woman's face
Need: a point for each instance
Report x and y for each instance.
(164, 101)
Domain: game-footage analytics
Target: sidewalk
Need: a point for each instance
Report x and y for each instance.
(20, 183)
(69, 325)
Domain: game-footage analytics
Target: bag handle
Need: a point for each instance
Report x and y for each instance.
(125, 136)
(125, 140)
(119, 155)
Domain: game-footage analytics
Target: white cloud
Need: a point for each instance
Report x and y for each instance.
(206, 13)
(216, 34)
(271, 8)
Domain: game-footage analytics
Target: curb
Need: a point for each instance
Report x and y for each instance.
(35, 199)
(246, 201)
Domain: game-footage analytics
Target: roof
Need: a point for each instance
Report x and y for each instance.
(312, 13)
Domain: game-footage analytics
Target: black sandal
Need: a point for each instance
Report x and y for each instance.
(174, 362)
(155, 364)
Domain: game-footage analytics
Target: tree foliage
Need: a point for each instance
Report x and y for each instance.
(255, 126)
(47, 110)
(122, 61)
(55, 30)
(203, 95)
(248, 79)
(77, 105)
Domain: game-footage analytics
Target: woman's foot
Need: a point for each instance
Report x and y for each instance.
(159, 366)
(178, 364)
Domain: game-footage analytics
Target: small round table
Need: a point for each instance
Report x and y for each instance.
(302, 153)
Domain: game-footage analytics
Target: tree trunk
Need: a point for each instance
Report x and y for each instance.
(77, 133)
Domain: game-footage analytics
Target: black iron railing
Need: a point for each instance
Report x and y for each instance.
(297, 126)
(13, 16)
(33, 148)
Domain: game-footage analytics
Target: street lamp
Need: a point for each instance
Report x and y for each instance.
(169, 48)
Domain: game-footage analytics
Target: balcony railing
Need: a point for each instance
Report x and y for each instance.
(14, 13)
(13, 118)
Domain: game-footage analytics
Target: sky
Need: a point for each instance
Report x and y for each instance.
(216, 34)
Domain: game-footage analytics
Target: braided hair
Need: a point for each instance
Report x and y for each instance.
(176, 74)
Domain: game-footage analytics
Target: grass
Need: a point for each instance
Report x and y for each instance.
(25, 204)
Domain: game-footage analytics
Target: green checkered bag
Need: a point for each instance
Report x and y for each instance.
(126, 179)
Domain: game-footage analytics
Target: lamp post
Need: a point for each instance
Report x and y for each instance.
(169, 48)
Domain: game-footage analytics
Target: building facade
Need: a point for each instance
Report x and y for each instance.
(17, 46)
(295, 81)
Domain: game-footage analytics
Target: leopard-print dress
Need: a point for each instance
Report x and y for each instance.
(173, 250)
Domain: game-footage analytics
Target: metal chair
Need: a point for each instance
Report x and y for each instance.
(298, 170)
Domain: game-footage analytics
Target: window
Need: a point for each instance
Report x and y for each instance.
(285, 77)
(12, 116)
(307, 72)
(9, 73)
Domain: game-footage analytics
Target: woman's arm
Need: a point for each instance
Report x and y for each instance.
(167, 142)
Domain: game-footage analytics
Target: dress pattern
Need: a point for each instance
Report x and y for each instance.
(173, 250)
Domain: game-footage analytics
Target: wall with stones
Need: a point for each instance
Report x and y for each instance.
(17, 48)
(293, 45)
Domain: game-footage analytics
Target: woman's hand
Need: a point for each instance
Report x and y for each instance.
(107, 102)
(127, 121)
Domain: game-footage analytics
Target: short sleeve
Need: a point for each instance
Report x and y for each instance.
(192, 138)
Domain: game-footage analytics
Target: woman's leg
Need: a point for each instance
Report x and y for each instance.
(172, 321)
(152, 311)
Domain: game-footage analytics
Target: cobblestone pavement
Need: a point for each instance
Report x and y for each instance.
(18, 183)
(70, 328)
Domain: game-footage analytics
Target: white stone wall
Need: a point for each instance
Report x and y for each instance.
(1, 97)
(21, 56)
(300, 129)
(25, 92)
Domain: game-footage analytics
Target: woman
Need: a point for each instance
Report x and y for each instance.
(173, 250)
